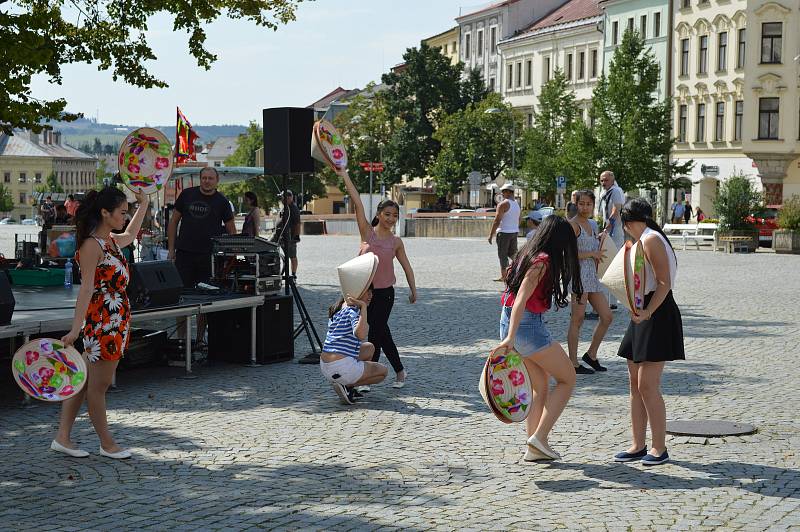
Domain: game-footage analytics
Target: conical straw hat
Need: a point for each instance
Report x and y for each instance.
(609, 248)
(618, 277)
(506, 387)
(356, 274)
(327, 146)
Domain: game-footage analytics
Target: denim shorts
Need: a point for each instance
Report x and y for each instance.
(532, 334)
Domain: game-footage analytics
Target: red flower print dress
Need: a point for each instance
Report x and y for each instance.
(107, 323)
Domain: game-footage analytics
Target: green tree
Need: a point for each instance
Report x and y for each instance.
(633, 130)
(97, 147)
(558, 143)
(6, 199)
(266, 188)
(421, 95)
(473, 139)
(101, 174)
(53, 33)
(737, 198)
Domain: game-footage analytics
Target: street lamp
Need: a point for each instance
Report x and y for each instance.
(494, 111)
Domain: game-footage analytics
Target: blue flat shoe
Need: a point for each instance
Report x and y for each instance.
(630, 457)
(650, 460)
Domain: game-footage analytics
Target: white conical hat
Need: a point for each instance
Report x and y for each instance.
(356, 274)
(618, 277)
(327, 145)
(609, 248)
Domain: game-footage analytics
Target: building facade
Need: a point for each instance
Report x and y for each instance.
(27, 159)
(480, 31)
(651, 19)
(569, 39)
(447, 42)
(771, 96)
(709, 78)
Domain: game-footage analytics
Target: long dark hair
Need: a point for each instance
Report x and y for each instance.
(556, 237)
(88, 215)
(383, 205)
(639, 210)
(336, 307)
(252, 197)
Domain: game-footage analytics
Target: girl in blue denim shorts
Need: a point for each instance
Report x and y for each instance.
(541, 274)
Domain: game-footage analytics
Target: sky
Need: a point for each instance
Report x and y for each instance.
(332, 43)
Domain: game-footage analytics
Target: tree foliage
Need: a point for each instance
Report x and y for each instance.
(421, 95)
(6, 199)
(737, 198)
(558, 143)
(473, 139)
(633, 129)
(48, 34)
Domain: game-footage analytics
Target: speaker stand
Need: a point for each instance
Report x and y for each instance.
(253, 347)
(305, 324)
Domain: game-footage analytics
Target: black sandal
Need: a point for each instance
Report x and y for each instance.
(594, 364)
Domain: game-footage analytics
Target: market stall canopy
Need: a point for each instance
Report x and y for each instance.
(227, 174)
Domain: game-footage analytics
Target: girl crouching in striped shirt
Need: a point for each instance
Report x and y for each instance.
(346, 359)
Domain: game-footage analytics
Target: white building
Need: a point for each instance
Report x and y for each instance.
(223, 148)
(481, 31)
(570, 38)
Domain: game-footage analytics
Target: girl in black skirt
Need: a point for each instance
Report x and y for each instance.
(654, 336)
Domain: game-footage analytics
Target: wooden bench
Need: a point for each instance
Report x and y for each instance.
(734, 244)
(696, 233)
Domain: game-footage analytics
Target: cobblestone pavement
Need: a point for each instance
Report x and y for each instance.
(270, 447)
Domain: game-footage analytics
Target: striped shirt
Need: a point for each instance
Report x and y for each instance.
(341, 338)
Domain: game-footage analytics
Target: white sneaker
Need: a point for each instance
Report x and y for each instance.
(75, 453)
(534, 443)
(363, 388)
(119, 455)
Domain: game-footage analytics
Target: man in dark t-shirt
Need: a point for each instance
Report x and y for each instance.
(203, 213)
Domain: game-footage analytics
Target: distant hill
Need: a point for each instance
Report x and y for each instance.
(84, 131)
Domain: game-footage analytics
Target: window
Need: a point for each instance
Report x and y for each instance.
(528, 72)
(686, 4)
(684, 57)
(444, 49)
(643, 27)
(480, 43)
(771, 42)
(582, 65)
(493, 39)
(742, 49)
(701, 123)
(630, 23)
(6, 177)
(23, 177)
(491, 84)
(702, 66)
(594, 63)
(466, 45)
(510, 82)
(568, 72)
(37, 177)
(722, 51)
(519, 74)
(719, 127)
(546, 69)
(22, 198)
(615, 33)
(453, 47)
(768, 118)
(683, 114)
(657, 24)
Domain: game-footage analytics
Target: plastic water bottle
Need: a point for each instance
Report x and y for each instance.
(68, 274)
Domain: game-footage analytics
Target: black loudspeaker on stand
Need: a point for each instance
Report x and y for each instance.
(287, 150)
(229, 333)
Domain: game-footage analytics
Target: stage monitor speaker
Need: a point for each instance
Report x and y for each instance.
(7, 300)
(229, 333)
(154, 284)
(287, 140)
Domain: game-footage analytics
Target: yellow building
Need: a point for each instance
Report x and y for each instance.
(27, 159)
(447, 42)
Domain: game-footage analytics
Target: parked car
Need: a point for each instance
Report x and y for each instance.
(7, 221)
(412, 212)
(29, 221)
(486, 209)
(455, 211)
(766, 221)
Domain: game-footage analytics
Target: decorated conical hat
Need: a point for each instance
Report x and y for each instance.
(145, 160)
(506, 387)
(327, 146)
(618, 277)
(609, 248)
(47, 370)
(356, 274)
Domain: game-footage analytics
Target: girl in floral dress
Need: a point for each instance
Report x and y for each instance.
(102, 311)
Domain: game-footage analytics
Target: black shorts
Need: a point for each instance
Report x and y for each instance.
(193, 267)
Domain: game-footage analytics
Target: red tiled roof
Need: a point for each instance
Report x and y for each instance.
(569, 12)
(493, 5)
(328, 98)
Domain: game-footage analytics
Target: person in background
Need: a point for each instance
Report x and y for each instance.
(252, 222)
(61, 218)
(289, 228)
(572, 206)
(698, 212)
(506, 224)
(532, 221)
(71, 205)
(610, 206)
(677, 212)
(48, 212)
(687, 212)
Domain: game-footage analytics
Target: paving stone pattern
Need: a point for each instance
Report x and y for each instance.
(271, 447)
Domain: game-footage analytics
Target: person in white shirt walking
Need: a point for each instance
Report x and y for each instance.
(506, 224)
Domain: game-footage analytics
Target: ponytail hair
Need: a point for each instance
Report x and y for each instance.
(639, 210)
(385, 204)
(89, 213)
(250, 195)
